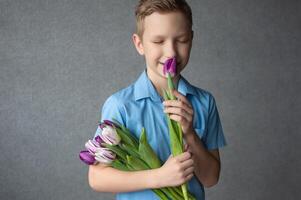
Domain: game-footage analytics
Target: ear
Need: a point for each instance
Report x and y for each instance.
(138, 44)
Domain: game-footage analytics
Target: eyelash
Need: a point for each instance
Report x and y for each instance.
(184, 41)
(160, 42)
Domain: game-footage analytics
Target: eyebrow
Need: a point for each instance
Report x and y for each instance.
(179, 36)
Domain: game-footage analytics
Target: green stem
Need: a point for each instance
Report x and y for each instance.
(180, 135)
(160, 194)
(174, 193)
(184, 190)
(179, 191)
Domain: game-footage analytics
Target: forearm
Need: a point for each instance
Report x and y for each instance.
(207, 167)
(108, 179)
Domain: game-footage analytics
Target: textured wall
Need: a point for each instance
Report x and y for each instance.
(59, 61)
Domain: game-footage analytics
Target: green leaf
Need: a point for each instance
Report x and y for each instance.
(125, 138)
(136, 163)
(129, 150)
(175, 145)
(117, 150)
(147, 153)
(124, 130)
(117, 164)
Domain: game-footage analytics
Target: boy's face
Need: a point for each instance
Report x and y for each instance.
(165, 36)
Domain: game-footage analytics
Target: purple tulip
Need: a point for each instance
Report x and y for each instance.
(170, 66)
(87, 157)
(92, 146)
(97, 152)
(108, 123)
(105, 155)
(98, 140)
(110, 136)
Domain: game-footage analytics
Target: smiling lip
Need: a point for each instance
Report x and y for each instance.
(163, 63)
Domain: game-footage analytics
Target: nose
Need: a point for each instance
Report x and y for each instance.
(170, 49)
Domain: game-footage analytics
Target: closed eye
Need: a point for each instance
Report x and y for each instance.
(183, 41)
(158, 42)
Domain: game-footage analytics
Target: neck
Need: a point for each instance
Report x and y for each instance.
(160, 82)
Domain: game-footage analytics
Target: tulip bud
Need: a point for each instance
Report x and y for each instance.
(92, 146)
(105, 156)
(87, 157)
(109, 135)
(170, 66)
(106, 123)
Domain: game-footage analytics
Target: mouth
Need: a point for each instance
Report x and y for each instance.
(178, 63)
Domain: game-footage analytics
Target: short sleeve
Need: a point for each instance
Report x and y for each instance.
(111, 109)
(214, 137)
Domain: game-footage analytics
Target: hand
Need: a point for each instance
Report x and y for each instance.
(181, 111)
(176, 170)
(187, 148)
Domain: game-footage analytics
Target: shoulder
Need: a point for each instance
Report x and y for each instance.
(203, 97)
(115, 105)
(121, 97)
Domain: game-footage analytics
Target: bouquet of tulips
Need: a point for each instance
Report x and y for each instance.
(117, 147)
(175, 129)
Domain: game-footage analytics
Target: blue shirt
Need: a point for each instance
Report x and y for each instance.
(139, 105)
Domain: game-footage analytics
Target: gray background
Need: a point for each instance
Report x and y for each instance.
(60, 60)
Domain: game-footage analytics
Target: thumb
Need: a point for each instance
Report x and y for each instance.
(186, 147)
(169, 157)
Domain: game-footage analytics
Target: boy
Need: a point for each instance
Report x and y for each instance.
(164, 30)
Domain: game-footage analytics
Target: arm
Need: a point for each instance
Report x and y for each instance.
(102, 178)
(107, 179)
(207, 163)
(175, 171)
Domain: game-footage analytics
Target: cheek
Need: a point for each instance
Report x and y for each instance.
(185, 51)
(155, 54)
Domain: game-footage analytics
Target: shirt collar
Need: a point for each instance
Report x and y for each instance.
(143, 88)
(184, 87)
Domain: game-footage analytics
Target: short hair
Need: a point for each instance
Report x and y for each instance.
(148, 7)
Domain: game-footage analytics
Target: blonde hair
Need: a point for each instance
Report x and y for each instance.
(147, 7)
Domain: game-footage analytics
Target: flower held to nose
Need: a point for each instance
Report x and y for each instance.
(170, 66)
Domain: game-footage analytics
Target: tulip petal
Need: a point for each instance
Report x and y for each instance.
(110, 123)
(86, 157)
(90, 146)
(170, 66)
(98, 140)
(104, 155)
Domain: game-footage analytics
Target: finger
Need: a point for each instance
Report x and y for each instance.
(189, 177)
(188, 171)
(190, 151)
(179, 104)
(181, 97)
(182, 120)
(178, 111)
(186, 147)
(187, 163)
(183, 156)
